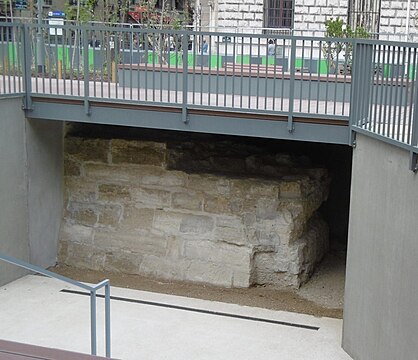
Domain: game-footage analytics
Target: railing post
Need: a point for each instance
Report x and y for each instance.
(290, 126)
(107, 319)
(185, 58)
(27, 67)
(361, 83)
(413, 159)
(86, 70)
(93, 338)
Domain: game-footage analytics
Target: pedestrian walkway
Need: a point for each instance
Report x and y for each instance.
(45, 312)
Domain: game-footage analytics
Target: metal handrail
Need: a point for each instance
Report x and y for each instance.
(93, 298)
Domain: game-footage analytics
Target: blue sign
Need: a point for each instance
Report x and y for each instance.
(21, 4)
(60, 14)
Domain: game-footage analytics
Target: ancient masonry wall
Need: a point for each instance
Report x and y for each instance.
(126, 211)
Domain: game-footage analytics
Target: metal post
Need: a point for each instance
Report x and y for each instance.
(185, 48)
(290, 126)
(354, 93)
(86, 70)
(27, 68)
(107, 320)
(413, 162)
(40, 55)
(93, 340)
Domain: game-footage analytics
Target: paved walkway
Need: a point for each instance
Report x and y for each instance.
(34, 310)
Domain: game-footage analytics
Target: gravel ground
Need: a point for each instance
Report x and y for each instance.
(322, 296)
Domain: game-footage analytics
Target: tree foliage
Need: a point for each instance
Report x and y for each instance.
(338, 50)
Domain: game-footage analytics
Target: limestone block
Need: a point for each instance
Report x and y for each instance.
(141, 243)
(109, 215)
(138, 152)
(209, 184)
(229, 229)
(217, 205)
(151, 197)
(267, 208)
(82, 213)
(113, 192)
(76, 233)
(135, 219)
(72, 167)
(112, 174)
(175, 247)
(168, 221)
(163, 268)
(167, 179)
(80, 189)
(241, 279)
(81, 255)
(227, 254)
(87, 149)
(197, 224)
(123, 261)
(209, 273)
(190, 200)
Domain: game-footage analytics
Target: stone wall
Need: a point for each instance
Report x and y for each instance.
(187, 211)
(310, 15)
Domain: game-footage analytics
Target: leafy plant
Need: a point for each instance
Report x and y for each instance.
(336, 29)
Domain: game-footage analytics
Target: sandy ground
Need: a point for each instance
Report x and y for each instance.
(321, 296)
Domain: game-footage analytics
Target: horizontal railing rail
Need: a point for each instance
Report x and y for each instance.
(367, 83)
(92, 289)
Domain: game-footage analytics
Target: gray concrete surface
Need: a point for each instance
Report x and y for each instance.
(34, 311)
(13, 187)
(30, 188)
(45, 184)
(381, 295)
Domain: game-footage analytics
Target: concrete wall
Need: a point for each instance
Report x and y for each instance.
(381, 298)
(14, 239)
(30, 188)
(45, 189)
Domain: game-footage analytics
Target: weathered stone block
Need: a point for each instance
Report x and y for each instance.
(112, 192)
(209, 184)
(123, 261)
(187, 200)
(82, 213)
(80, 189)
(230, 230)
(151, 197)
(71, 166)
(75, 233)
(138, 152)
(168, 221)
(87, 149)
(109, 215)
(163, 267)
(210, 273)
(81, 256)
(166, 179)
(137, 219)
(145, 243)
(197, 224)
(227, 254)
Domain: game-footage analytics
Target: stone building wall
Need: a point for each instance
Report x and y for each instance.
(129, 208)
(310, 15)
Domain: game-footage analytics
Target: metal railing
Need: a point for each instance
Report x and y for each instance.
(93, 298)
(369, 84)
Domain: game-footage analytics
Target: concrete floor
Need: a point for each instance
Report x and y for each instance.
(33, 310)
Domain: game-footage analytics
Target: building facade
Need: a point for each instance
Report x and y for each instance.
(309, 16)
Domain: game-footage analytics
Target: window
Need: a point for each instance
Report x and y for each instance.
(278, 14)
(364, 13)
